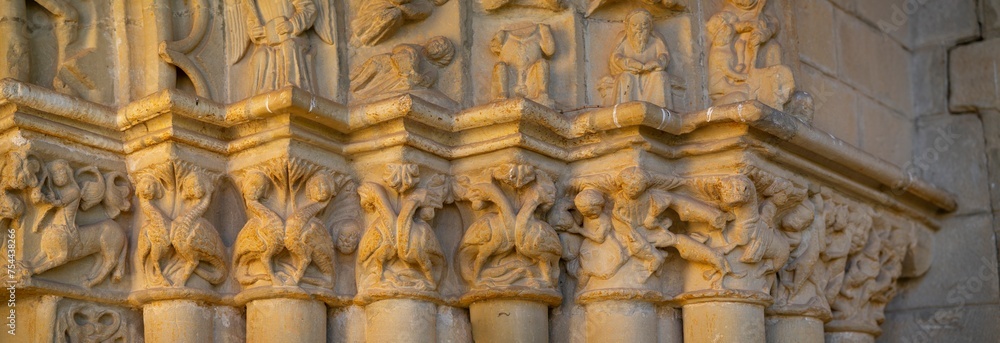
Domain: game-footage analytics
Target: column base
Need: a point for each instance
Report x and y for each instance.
(514, 321)
(794, 329)
(402, 321)
(286, 320)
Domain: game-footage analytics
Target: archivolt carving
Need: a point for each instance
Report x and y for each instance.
(282, 56)
(399, 251)
(173, 197)
(671, 5)
(79, 322)
(523, 66)
(70, 78)
(638, 64)
(625, 221)
(287, 225)
(744, 63)
(407, 68)
(377, 20)
(509, 244)
(57, 194)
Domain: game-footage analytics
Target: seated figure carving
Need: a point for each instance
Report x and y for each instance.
(638, 64)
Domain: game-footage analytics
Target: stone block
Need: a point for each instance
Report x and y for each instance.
(877, 121)
(872, 64)
(836, 104)
(929, 74)
(964, 270)
(944, 22)
(814, 23)
(989, 18)
(974, 75)
(972, 323)
(950, 154)
(889, 17)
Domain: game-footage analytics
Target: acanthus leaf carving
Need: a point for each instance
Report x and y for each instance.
(288, 202)
(376, 20)
(399, 252)
(49, 197)
(173, 198)
(509, 244)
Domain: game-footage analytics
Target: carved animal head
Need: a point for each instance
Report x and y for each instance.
(735, 191)
(19, 171)
(254, 185)
(320, 187)
(148, 187)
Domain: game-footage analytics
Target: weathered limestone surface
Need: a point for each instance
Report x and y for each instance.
(481, 170)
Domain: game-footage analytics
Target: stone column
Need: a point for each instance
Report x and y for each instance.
(510, 290)
(622, 321)
(283, 320)
(177, 321)
(724, 316)
(805, 329)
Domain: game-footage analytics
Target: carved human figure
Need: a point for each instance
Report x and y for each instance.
(308, 241)
(60, 198)
(601, 253)
(377, 20)
(738, 195)
(523, 66)
(744, 63)
(263, 235)
(493, 5)
(193, 238)
(638, 64)
(408, 67)
(799, 282)
(282, 54)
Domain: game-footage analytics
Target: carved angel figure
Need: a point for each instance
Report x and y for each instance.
(744, 63)
(282, 54)
(407, 68)
(399, 251)
(377, 20)
(523, 66)
(59, 197)
(638, 64)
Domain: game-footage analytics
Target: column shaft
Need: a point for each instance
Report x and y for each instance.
(723, 322)
(621, 321)
(794, 329)
(513, 321)
(286, 320)
(401, 321)
(177, 321)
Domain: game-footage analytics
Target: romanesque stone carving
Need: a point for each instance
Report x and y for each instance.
(173, 197)
(377, 20)
(625, 224)
(638, 64)
(408, 68)
(523, 66)
(744, 63)
(800, 284)
(57, 195)
(286, 202)
(508, 244)
(177, 52)
(672, 5)
(81, 322)
(493, 5)
(282, 55)
(848, 226)
(399, 251)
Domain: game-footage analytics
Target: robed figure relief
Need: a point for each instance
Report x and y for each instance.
(638, 64)
(281, 54)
